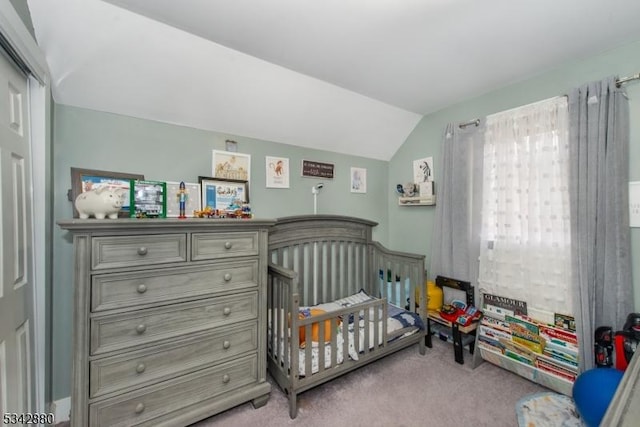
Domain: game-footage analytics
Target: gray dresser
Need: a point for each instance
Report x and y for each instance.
(169, 319)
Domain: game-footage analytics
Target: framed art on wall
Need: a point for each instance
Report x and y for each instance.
(358, 180)
(277, 172)
(223, 193)
(229, 165)
(423, 170)
(192, 202)
(313, 169)
(90, 179)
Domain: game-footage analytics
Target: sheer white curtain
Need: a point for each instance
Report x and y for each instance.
(525, 244)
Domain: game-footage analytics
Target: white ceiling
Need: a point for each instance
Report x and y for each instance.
(350, 76)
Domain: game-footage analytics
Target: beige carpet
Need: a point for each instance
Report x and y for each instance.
(404, 389)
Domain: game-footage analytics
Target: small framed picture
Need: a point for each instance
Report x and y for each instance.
(358, 180)
(148, 199)
(223, 193)
(229, 165)
(423, 170)
(90, 179)
(192, 198)
(277, 172)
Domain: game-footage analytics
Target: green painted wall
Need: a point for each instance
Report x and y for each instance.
(410, 228)
(160, 151)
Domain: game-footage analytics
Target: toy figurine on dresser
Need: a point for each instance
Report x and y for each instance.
(182, 196)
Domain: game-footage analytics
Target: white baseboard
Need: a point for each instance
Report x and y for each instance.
(61, 409)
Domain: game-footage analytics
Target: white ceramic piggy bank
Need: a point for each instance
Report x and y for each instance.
(100, 203)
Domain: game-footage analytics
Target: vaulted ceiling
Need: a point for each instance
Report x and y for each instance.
(350, 76)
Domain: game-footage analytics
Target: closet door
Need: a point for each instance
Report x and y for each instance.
(16, 290)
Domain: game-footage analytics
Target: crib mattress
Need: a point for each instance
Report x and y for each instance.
(400, 323)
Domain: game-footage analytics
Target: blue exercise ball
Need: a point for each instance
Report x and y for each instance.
(593, 391)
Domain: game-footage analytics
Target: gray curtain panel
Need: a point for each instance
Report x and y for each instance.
(455, 245)
(599, 174)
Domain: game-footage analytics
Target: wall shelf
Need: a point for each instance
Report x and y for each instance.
(417, 201)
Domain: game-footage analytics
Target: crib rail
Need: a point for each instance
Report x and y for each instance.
(400, 278)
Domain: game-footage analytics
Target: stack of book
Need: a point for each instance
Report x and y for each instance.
(506, 329)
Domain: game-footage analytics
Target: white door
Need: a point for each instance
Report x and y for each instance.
(16, 290)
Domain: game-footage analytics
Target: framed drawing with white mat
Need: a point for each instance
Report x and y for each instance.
(192, 202)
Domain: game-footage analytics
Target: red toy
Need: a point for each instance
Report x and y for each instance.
(460, 313)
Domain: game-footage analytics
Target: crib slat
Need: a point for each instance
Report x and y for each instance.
(334, 341)
(343, 269)
(321, 350)
(321, 282)
(367, 327)
(331, 268)
(352, 267)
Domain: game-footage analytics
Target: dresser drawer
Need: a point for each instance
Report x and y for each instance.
(167, 361)
(118, 290)
(223, 245)
(145, 407)
(119, 331)
(129, 251)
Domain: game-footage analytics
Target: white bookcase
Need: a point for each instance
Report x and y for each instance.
(527, 369)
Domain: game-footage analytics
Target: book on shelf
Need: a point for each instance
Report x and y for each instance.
(494, 332)
(495, 323)
(559, 334)
(563, 358)
(506, 304)
(526, 333)
(520, 357)
(555, 369)
(565, 321)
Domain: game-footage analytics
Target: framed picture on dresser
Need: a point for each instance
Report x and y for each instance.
(91, 179)
(223, 193)
(192, 202)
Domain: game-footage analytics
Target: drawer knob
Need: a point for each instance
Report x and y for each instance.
(141, 328)
(226, 311)
(226, 378)
(142, 251)
(140, 368)
(227, 277)
(142, 288)
(139, 408)
(226, 345)
(228, 245)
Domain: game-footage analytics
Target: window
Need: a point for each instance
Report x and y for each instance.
(525, 247)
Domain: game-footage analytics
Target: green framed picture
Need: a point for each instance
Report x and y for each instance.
(148, 199)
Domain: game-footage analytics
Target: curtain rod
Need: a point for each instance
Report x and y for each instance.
(619, 82)
(469, 123)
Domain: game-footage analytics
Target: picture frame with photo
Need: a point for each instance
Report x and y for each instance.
(91, 179)
(231, 166)
(358, 180)
(193, 200)
(148, 199)
(277, 172)
(223, 193)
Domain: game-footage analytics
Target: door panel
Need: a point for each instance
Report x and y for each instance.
(16, 290)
